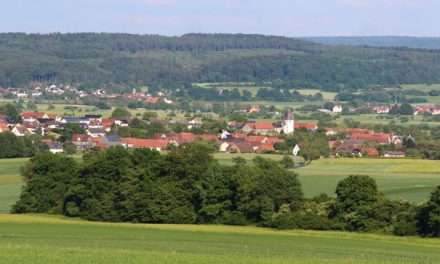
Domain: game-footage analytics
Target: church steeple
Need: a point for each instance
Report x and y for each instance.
(289, 122)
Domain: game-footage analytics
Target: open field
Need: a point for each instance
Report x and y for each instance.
(409, 179)
(49, 239)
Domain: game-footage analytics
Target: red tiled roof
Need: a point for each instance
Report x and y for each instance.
(79, 137)
(29, 115)
(46, 140)
(262, 125)
(257, 138)
(305, 125)
(380, 138)
(208, 137)
(239, 135)
(4, 127)
(265, 147)
(146, 143)
(371, 151)
(274, 140)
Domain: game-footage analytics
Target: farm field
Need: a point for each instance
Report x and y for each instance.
(50, 239)
(408, 179)
(87, 109)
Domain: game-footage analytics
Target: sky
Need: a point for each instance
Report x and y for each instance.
(292, 18)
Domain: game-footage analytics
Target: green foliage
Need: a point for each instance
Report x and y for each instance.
(429, 216)
(47, 178)
(121, 113)
(91, 58)
(11, 111)
(355, 191)
(20, 147)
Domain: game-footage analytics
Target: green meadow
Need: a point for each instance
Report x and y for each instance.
(48, 239)
(408, 179)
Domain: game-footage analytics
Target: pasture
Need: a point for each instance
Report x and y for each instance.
(48, 239)
(407, 179)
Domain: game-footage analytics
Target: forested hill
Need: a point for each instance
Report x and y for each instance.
(99, 58)
(381, 41)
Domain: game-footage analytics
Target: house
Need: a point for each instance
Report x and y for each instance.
(394, 154)
(380, 138)
(296, 150)
(265, 148)
(254, 109)
(20, 130)
(111, 141)
(370, 151)
(4, 128)
(76, 120)
(381, 109)
(155, 144)
(82, 142)
(93, 117)
(309, 126)
(55, 147)
(337, 108)
(30, 117)
(224, 146)
(240, 147)
(96, 132)
(259, 139)
(262, 128)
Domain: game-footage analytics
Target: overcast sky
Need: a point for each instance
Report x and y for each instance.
(274, 17)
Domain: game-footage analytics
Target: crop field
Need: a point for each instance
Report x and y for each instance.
(408, 179)
(87, 109)
(48, 239)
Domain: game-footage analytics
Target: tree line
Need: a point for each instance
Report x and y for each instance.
(189, 186)
(92, 59)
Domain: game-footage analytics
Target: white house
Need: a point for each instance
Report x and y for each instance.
(337, 108)
(296, 149)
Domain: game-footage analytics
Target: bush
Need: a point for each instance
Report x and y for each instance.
(306, 221)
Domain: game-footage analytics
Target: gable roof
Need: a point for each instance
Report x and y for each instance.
(112, 138)
(244, 147)
(305, 125)
(262, 125)
(260, 139)
(80, 137)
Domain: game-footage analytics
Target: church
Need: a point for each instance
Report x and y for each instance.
(289, 123)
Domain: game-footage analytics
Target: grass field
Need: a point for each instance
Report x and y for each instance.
(408, 179)
(48, 239)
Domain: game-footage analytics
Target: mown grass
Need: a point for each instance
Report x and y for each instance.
(43, 239)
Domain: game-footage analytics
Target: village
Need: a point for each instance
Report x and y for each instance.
(240, 137)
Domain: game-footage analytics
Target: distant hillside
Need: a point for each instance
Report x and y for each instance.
(381, 41)
(97, 58)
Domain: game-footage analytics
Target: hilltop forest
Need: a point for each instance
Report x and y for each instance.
(100, 58)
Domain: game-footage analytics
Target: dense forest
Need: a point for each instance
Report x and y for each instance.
(381, 41)
(188, 185)
(99, 58)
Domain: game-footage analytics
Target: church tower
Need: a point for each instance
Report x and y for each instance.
(289, 123)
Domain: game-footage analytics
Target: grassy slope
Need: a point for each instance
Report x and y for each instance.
(58, 240)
